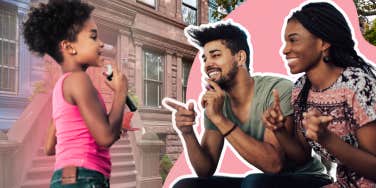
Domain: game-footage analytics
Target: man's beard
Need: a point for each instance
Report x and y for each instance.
(227, 82)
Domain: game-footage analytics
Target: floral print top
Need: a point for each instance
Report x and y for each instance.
(351, 101)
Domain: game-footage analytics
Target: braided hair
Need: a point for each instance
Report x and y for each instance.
(326, 22)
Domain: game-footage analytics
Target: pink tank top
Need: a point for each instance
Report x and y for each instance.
(75, 145)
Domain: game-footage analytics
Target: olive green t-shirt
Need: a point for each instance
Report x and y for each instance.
(262, 100)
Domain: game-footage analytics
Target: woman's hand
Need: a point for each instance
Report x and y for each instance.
(273, 118)
(316, 125)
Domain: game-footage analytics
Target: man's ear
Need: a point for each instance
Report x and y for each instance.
(241, 57)
(67, 47)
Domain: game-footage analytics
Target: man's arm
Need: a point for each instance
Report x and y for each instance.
(204, 158)
(267, 155)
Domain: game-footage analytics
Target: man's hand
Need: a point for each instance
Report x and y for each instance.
(184, 117)
(212, 101)
(316, 125)
(273, 118)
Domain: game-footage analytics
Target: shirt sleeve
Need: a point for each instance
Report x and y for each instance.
(284, 89)
(364, 100)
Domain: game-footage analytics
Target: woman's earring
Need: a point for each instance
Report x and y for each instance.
(326, 59)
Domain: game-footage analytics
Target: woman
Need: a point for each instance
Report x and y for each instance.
(84, 131)
(335, 100)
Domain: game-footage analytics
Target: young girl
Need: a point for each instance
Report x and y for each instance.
(335, 101)
(84, 131)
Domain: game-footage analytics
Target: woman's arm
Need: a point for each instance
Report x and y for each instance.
(362, 159)
(293, 142)
(289, 137)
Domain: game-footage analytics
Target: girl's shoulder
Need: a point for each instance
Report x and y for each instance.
(78, 79)
(78, 83)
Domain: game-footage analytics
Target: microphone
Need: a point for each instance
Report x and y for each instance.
(132, 107)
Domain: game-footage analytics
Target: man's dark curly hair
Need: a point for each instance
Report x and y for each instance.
(49, 24)
(234, 38)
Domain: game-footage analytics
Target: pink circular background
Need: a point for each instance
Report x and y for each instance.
(264, 20)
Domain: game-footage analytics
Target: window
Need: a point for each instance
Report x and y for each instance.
(153, 78)
(189, 11)
(148, 2)
(8, 51)
(186, 66)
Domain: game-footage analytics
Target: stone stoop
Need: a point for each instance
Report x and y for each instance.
(123, 173)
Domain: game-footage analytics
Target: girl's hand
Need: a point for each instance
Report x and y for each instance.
(119, 82)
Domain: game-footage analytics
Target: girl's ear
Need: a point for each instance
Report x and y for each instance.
(66, 47)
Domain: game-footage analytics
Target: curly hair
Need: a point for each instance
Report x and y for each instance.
(49, 24)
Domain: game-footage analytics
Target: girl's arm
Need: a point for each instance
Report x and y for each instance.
(49, 146)
(79, 90)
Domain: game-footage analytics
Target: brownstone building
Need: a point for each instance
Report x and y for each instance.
(153, 52)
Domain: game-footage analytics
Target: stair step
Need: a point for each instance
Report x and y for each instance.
(121, 177)
(40, 152)
(124, 185)
(121, 148)
(40, 183)
(123, 141)
(116, 157)
(38, 172)
(123, 166)
(43, 161)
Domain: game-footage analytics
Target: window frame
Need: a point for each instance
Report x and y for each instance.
(184, 87)
(147, 4)
(162, 76)
(11, 10)
(196, 9)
